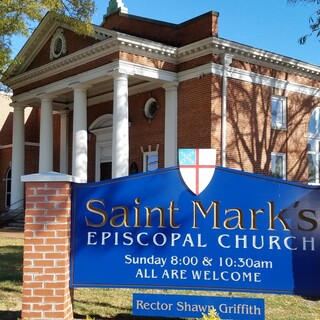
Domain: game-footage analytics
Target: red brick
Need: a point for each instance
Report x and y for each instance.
(33, 255)
(32, 270)
(34, 241)
(43, 292)
(44, 277)
(43, 263)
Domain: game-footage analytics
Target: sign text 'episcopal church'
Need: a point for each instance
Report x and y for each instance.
(201, 228)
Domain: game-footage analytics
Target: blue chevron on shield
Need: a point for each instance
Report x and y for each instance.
(197, 167)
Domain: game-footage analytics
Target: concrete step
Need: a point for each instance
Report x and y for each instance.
(12, 219)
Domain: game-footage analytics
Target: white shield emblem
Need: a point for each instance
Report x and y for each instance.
(197, 168)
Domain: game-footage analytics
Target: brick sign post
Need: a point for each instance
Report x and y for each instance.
(46, 261)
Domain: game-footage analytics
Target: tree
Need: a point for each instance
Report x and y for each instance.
(314, 20)
(17, 17)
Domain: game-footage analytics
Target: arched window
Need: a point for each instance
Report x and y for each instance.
(8, 188)
(314, 147)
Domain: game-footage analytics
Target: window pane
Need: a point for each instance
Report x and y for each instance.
(311, 168)
(279, 167)
(314, 122)
(312, 125)
(275, 111)
(312, 145)
(278, 113)
(152, 162)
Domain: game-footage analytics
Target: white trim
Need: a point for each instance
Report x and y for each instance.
(103, 143)
(6, 146)
(146, 156)
(273, 82)
(215, 45)
(40, 36)
(58, 35)
(149, 111)
(102, 129)
(49, 177)
(152, 73)
(34, 44)
(226, 60)
(116, 42)
(32, 144)
(171, 125)
(282, 125)
(29, 144)
(247, 76)
(313, 140)
(7, 192)
(94, 75)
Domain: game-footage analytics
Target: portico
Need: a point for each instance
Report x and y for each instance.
(75, 95)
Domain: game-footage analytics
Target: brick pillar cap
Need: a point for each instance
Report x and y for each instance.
(49, 177)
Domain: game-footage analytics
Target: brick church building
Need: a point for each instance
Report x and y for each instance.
(125, 99)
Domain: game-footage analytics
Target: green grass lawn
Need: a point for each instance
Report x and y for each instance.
(116, 303)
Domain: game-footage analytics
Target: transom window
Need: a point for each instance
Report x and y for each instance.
(314, 147)
(278, 112)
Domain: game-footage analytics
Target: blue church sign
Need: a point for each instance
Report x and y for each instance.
(242, 232)
(191, 306)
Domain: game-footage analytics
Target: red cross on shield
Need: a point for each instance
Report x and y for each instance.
(197, 167)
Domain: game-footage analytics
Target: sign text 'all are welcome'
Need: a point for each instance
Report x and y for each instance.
(219, 229)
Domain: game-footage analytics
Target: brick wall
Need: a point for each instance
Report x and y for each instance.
(187, 32)
(46, 292)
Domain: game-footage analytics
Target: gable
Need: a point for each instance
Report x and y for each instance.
(73, 43)
(36, 52)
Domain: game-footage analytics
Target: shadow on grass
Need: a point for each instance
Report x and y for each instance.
(10, 315)
(11, 258)
(311, 298)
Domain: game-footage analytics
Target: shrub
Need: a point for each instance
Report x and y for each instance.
(213, 315)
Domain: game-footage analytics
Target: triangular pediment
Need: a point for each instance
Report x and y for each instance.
(44, 44)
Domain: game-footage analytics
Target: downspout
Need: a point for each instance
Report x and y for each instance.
(226, 60)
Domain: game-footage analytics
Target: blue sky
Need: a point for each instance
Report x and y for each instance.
(271, 25)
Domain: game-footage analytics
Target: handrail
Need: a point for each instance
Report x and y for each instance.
(21, 200)
(11, 214)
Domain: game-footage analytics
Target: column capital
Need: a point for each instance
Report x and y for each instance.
(77, 86)
(46, 97)
(171, 85)
(117, 73)
(18, 105)
(64, 112)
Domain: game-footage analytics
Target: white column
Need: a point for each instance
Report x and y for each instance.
(46, 134)
(64, 138)
(80, 135)
(120, 136)
(18, 154)
(226, 60)
(171, 125)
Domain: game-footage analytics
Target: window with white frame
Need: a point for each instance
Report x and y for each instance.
(278, 112)
(8, 188)
(150, 161)
(314, 147)
(278, 165)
